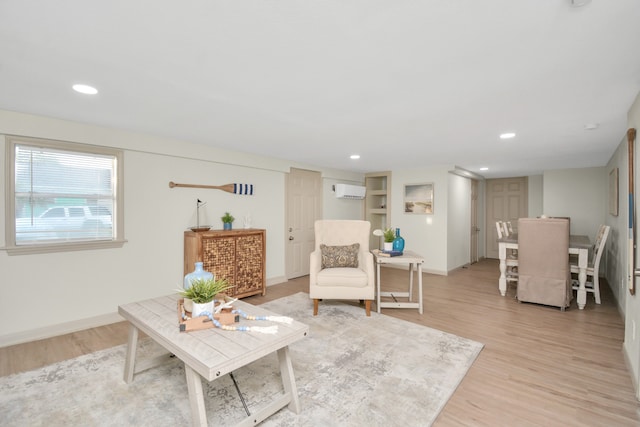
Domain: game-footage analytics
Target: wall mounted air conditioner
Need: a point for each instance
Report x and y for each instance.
(346, 191)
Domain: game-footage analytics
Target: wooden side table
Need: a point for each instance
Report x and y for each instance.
(408, 257)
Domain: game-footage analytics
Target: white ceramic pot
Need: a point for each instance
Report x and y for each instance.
(198, 309)
(388, 246)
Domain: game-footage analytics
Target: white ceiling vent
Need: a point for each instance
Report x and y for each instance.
(346, 191)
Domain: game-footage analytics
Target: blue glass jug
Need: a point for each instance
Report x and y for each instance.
(398, 242)
(198, 273)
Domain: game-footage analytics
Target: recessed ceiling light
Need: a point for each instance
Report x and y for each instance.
(484, 169)
(591, 126)
(579, 3)
(355, 156)
(507, 135)
(86, 89)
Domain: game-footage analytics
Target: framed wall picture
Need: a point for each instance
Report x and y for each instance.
(613, 192)
(418, 198)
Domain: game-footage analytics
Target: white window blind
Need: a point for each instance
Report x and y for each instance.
(64, 193)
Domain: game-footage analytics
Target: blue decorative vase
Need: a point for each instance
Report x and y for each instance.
(226, 225)
(198, 273)
(398, 242)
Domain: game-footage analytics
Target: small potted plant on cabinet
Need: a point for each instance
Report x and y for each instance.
(227, 220)
(389, 235)
(202, 293)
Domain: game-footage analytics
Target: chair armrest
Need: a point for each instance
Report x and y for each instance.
(315, 264)
(365, 261)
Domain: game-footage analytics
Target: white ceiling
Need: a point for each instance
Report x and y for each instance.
(403, 83)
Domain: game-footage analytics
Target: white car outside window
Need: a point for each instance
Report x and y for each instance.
(66, 223)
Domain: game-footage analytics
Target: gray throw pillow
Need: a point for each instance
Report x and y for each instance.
(340, 256)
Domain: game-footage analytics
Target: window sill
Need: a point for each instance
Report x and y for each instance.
(62, 247)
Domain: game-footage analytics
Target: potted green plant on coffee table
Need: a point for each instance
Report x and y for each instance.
(202, 293)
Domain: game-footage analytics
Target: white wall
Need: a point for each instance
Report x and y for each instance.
(459, 222)
(614, 260)
(424, 234)
(535, 192)
(74, 290)
(482, 218)
(334, 208)
(444, 237)
(632, 303)
(577, 193)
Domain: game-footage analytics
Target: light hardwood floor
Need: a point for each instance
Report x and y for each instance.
(539, 366)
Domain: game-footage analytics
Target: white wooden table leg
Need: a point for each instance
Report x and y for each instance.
(502, 282)
(196, 397)
(420, 308)
(582, 278)
(410, 282)
(288, 379)
(378, 286)
(130, 358)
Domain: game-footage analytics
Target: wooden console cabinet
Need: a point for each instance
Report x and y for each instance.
(237, 255)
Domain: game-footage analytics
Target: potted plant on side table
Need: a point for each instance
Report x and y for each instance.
(202, 293)
(389, 235)
(227, 220)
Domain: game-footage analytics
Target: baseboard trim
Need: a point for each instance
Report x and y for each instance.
(78, 325)
(59, 329)
(276, 280)
(634, 380)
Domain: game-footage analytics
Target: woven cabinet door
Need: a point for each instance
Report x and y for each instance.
(249, 278)
(235, 255)
(218, 257)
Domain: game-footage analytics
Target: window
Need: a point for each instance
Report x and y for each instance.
(62, 196)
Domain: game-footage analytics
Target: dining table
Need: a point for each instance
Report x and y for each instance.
(578, 245)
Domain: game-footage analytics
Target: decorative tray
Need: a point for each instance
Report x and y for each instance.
(187, 324)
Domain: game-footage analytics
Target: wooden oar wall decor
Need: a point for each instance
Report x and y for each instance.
(244, 189)
(631, 137)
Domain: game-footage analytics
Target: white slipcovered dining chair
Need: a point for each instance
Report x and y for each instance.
(544, 275)
(504, 229)
(512, 256)
(341, 266)
(508, 227)
(593, 266)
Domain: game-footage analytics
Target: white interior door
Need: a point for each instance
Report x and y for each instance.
(304, 207)
(506, 201)
(474, 222)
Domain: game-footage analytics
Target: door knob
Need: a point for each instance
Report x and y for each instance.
(290, 237)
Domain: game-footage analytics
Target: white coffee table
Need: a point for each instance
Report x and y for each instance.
(212, 353)
(411, 259)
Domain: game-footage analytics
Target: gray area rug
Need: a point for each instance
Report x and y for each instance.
(351, 370)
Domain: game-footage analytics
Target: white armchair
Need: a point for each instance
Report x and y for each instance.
(344, 272)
